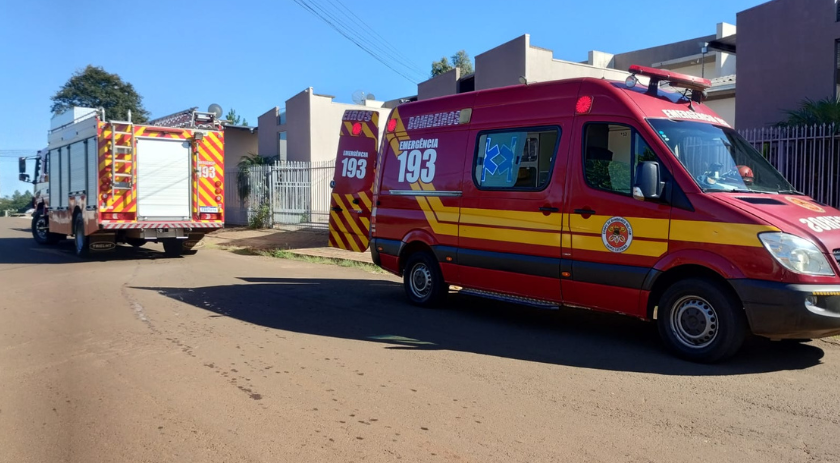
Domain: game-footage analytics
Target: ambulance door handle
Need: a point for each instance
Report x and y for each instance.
(337, 209)
(550, 209)
(584, 211)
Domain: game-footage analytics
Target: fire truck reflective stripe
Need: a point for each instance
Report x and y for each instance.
(637, 248)
(735, 234)
(135, 225)
(642, 227)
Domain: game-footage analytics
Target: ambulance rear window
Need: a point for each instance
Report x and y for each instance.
(518, 159)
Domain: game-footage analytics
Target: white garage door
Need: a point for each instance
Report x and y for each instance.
(163, 179)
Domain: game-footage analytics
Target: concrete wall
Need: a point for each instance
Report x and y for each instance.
(669, 52)
(312, 126)
(239, 142)
(268, 130)
(541, 66)
(441, 85)
(725, 108)
(785, 54)
(503, 65)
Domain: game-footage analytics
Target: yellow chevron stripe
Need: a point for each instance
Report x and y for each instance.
(337, 238)
(364, 197)
(345, 211)
(337, 220)
(511, 236)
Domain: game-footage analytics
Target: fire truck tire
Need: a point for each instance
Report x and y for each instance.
(423, 280)
(701, 321)
(81, 243)
(136, 242)
(172, 247)
(40, 230)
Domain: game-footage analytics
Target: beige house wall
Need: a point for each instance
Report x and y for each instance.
(239, 142)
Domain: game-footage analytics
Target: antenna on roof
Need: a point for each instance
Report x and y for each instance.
(359, 97)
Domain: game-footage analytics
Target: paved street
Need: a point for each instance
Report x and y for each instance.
(224, 357)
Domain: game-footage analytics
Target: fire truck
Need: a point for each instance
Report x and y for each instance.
(106, 182)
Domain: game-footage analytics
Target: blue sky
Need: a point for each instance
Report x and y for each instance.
(254, 55)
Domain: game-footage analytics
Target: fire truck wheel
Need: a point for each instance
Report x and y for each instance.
(136, 242)
(172, 247)
(81, 243)
(423, 280)
(41, 231)
(701, 321)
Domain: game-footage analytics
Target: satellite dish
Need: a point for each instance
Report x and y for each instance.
(215, 109)
(359, 97)
(371, 97)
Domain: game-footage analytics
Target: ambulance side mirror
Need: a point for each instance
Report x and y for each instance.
(648, 181)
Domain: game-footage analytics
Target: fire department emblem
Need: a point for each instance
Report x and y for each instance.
(617, 234)
(806, 204)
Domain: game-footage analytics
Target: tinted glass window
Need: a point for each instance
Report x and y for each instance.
(611, 153)
(516, 159)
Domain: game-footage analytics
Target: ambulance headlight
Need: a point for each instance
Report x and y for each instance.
(796, 254)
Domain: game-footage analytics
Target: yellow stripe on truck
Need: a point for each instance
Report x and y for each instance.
(511, 236)
(735, 234)
(656, 229)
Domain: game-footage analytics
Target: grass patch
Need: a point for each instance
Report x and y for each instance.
(286, 254)
(283, 254)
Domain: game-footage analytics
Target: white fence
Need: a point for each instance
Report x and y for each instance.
(294, 195)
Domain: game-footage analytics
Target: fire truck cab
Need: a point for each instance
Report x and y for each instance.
(627, 197)
(106, 182)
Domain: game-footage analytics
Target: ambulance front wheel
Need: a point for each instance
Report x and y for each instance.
(701, 321)
(423, 280)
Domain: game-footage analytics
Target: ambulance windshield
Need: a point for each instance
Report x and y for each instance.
(719, 159)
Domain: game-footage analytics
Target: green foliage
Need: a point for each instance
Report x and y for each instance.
(813, 112)
(93, 87)
(440, 67)
(460, 60)
(235, 119)
(260, 218)
(18, 202)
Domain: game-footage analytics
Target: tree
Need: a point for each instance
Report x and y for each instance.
(440, 67)
(18, 202)
(811, 112)
(235, 119)
(460, 60)
(93, 87)
(243, 178)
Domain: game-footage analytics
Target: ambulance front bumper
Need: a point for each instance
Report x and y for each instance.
(790, 311)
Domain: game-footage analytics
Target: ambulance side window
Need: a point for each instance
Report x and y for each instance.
(519, 159)
(611, 153)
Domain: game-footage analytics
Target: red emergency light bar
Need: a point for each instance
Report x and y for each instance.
(676, 79)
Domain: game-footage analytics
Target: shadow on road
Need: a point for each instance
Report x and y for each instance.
(27, 251)
(376, 311)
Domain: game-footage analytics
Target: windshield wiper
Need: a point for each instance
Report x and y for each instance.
(790, 192)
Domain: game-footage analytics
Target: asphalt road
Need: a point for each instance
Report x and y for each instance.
(221, 357)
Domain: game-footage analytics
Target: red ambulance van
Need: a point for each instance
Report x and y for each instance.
(613, 196)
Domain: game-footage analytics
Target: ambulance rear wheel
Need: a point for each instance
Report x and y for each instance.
(701, 321)
(81, 243)
(423, 280)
